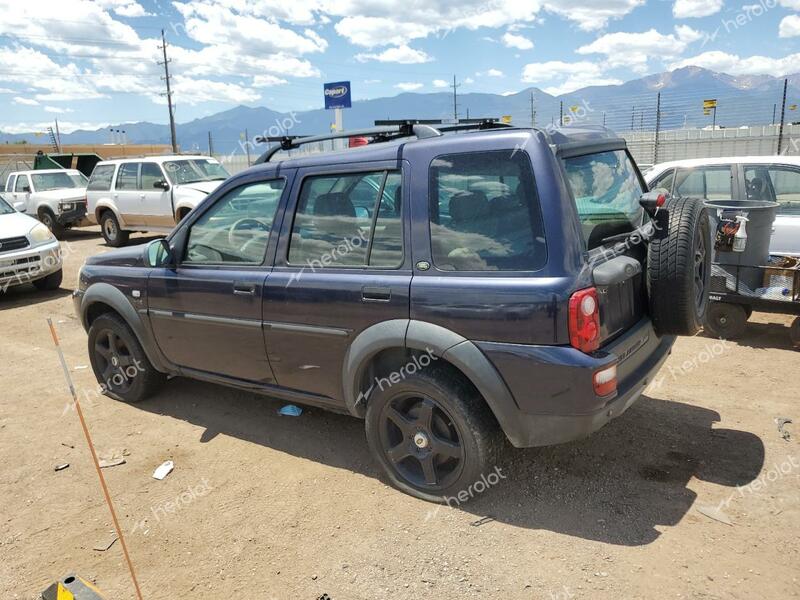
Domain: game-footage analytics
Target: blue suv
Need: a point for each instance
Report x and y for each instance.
(451, 290)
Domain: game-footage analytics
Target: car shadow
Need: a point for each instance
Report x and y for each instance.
(27, 294)
(763, 335)
(616, 486)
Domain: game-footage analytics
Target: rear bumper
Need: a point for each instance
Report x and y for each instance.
(552, 385)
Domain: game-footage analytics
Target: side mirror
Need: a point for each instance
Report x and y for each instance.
(161, 185)
(26, 189)
(159, 254)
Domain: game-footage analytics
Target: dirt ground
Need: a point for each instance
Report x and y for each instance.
(270, 507)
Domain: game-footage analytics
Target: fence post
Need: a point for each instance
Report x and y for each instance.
(658, 128)
(783, 115)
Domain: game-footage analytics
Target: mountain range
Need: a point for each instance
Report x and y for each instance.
(743, 100)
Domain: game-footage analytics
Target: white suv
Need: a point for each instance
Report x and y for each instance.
(148, 194)
(57, 197)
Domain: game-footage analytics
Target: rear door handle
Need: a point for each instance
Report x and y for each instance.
(242, 288)
(376, 294)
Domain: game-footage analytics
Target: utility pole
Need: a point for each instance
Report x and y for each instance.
(658, 128)
(455, 87)
(210, 145)
(533, 111)
(247, 145)
(561, 113)
(783, 116)
(714, 119)
(633, 114)
(774, 111)
(169, 94)
(604, 118)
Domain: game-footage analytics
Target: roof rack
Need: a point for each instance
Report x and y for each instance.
(384, 131)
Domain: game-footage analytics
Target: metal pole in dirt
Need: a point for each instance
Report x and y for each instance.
(783, 115)
(103, 485)
(658, 128)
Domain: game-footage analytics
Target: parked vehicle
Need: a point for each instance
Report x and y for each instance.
(148, 194)
(448, 289)
(767, 178)
(57, 197)
(29, 252)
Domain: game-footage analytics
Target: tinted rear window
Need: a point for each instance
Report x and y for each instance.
(607, 192)
(101, 178)
(485, 214)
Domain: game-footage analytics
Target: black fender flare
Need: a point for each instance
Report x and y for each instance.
(109, 295)
(439, 341)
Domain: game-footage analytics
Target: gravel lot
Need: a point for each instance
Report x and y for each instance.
(269, 507)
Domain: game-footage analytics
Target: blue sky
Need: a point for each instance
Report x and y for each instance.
(90, 63)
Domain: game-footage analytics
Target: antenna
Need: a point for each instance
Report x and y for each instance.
(166, 78)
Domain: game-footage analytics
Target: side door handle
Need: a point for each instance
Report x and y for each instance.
(243, 288)
(376, 294)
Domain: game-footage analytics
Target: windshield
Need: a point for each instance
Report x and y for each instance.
(43, 182)
(607, 192)
(194, 170)
(5, 207)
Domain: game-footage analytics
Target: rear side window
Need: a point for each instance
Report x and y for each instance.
(128, 176)
(100, 181)
(607, 193)
(484, 213)
(711, 183)
(10, 183)
(349, 220)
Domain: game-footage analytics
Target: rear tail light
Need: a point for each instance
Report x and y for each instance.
(605, 381)
(356, 141)
(584, 320)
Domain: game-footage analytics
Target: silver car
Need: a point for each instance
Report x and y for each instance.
(775, 178)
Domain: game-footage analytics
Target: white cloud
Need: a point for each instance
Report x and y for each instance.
(789, 27)
(572, 76)
(508, 93)
(440, 83)
(261, 81)
(790, 4)
(686, 9)
(408, 86)
(25, 101)
(469, 80)
(520, 42)
(400, 54)
(594, 14)
(494, 73)
(41, 127)
(633, 50)
(735, 65)
(57, 109)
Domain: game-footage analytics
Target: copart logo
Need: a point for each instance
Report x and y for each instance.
(336, 92)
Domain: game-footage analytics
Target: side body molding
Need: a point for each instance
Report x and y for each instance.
(442, 342)
(113, 297)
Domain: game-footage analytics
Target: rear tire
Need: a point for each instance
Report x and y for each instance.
(112, 234)
(434, 436)
(119, 362)
(47, 217)
(679, 270)
(726, 320)
(51, 282)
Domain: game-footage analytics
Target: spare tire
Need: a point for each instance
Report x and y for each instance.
(679, 269)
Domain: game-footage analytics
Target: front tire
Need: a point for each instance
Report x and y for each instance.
(794, 333)
(434, 435)
(112, 234)
(119, 362)
(49, 220)
(51, 282)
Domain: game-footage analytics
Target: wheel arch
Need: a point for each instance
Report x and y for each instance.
(101, 298)
(397, 341)
(103, 206)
